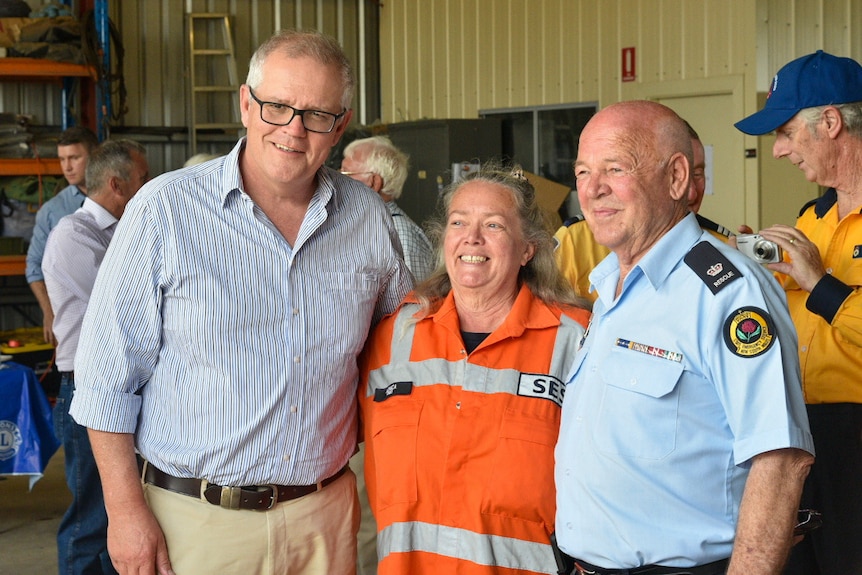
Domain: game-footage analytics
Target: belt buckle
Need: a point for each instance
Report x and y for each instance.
(230, 497)
(273, 498)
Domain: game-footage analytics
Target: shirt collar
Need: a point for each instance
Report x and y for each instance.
(103, 218)
(528, 312)
(657, 264)
(232, 180)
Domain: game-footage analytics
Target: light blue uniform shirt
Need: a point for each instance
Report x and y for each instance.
(228, 352)
(661, 419)
(66, 202)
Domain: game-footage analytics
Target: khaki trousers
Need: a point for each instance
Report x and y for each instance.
(307, 536)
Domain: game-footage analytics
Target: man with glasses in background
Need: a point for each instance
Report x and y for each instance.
(222, 337)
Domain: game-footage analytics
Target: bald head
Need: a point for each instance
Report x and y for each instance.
(653, 129)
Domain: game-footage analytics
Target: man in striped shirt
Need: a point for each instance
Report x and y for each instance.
(222, 338)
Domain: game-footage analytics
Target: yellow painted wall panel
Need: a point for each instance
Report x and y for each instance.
(671, 26)
(644, 32)
(718, 38)
(609, 45)
(422, 72)
(836, 27)
(518, 45)
(472, 72)
(693, 35)
(536, 68)
(585, 66)
(807, 26)
(856, 28)
(553, 27)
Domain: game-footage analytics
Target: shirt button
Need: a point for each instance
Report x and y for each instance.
(829, 271)
(634, 381)
(295, 311)
(296, 359)
(458, 405)
(293, 409)
(804, 348)
(568, 525)
(286, 458)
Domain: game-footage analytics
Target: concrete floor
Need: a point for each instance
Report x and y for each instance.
(29, 521)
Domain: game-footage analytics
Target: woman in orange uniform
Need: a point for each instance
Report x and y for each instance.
(461, 391)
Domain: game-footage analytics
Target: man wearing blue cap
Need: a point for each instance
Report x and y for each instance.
(815, 108)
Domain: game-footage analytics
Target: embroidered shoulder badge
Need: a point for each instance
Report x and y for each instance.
(749, 332)
(711, 266)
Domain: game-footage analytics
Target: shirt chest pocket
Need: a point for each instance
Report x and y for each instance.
(639, 406)
(352, 297)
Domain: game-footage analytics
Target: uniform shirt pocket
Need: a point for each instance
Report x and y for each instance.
(639, 407)
(394, 427)
(521, 479)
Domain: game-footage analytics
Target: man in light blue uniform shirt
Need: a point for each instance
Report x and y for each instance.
(222, 335)
(684, 440)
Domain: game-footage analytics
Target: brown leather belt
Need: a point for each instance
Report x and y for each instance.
(254, 497)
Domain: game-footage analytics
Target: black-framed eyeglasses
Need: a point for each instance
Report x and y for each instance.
(279, 114)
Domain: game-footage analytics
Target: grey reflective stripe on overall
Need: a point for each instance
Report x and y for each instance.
(469, 376)
(453, 542)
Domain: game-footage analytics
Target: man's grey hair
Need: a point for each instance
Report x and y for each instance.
(851, 113)
(385, 160)
(114, 158)
(306, 43)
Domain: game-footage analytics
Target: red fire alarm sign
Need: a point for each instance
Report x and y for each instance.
(628, 68)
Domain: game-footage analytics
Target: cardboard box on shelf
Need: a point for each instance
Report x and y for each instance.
(550, 196)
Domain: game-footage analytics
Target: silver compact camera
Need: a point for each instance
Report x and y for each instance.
(759, 249)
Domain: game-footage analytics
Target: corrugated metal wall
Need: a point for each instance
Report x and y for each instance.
(155, 64)
(451, 58)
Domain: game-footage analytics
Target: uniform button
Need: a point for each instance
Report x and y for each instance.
(286, 458)
(593, 368)
(458, 405)
(296, 311)
(829, 271)
(804, 348)
(569, 525)
(634, 381)
(463, 352)
(296, 359)
(293, 409)
(568, 472)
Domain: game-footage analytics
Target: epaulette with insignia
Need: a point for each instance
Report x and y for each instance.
(573, 220)
(711, 266)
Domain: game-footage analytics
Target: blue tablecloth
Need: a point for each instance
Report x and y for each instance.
(27, 439)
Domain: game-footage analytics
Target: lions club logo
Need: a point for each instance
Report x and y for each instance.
(10, 440)
(749, 332)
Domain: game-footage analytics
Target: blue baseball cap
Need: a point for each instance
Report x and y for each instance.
(819, 79)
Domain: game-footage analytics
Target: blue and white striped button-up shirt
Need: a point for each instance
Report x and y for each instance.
(228, 352)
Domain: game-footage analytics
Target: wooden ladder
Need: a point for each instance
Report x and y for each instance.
(213, 81)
